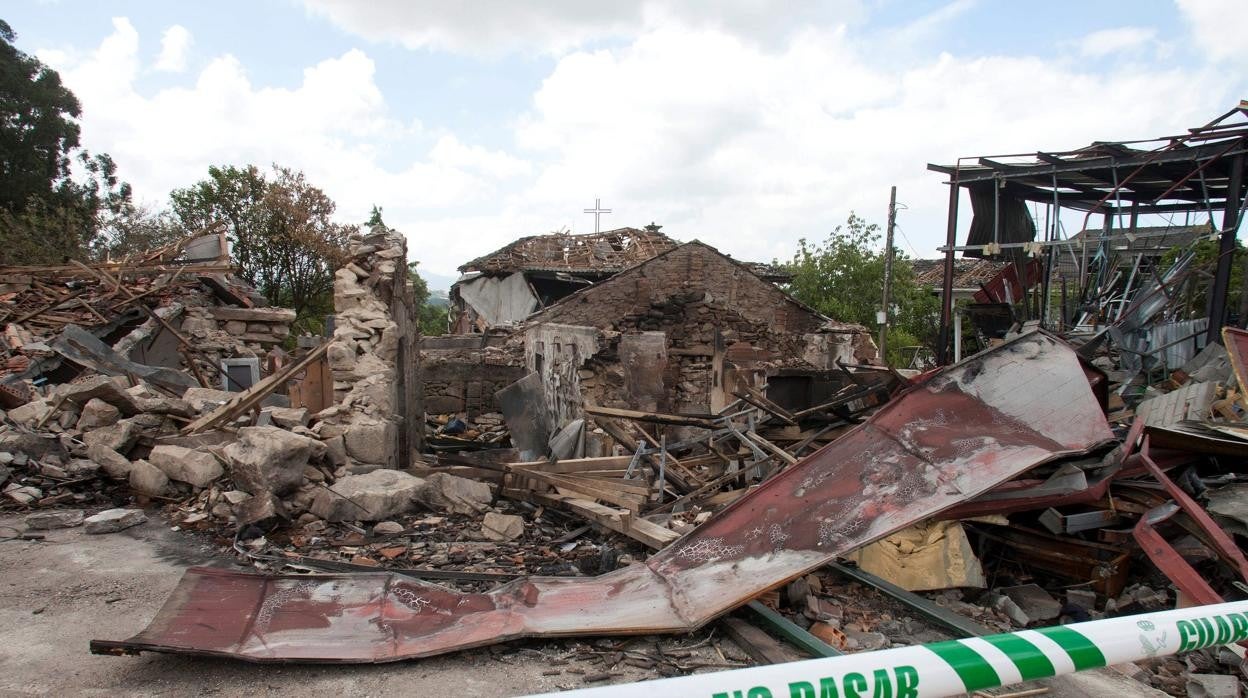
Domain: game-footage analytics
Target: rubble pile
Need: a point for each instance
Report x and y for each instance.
(1030, 485)
(459, 432)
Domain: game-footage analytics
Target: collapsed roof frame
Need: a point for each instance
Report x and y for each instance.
(1193, 172)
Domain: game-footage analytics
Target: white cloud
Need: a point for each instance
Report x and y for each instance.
(494, 27)
(745, 144)
(174, 46)
(751, 149)
(1109, 41)
(335, 126)
(1218, 27)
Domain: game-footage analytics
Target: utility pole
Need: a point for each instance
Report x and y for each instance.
(888, 270)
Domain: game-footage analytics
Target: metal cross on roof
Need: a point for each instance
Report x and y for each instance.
(597, 210)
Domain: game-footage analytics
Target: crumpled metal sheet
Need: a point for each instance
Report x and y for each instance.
(959, 433)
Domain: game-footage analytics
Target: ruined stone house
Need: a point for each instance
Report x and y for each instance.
(679, 331)
(504, 287)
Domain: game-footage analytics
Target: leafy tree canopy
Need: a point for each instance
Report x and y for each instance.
(843, 278)
(280, 230)
(47, 209)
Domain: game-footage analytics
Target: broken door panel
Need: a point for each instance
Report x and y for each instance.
(952, 437)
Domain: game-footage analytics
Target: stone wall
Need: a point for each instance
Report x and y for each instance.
(461, 373)
(722, 326)
(377, 421)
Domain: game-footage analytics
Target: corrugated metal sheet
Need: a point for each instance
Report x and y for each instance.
(963, 431)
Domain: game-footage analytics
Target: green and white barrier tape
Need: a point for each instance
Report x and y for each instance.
(961, 666)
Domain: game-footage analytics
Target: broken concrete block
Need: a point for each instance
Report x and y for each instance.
(375, 496)
(455, 494)
(1034, 601)
(118, 437)
(502, 527)
(288, 417)
(114, 464)
(197, 468)
(113, 520)
(269, 459)
(146, 478)
(97, 413)
(371, 441)
(61, 518)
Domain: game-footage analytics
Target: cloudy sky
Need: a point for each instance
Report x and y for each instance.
(474, 122)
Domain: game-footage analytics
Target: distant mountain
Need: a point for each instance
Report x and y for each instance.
(438, 298)
(437, 282)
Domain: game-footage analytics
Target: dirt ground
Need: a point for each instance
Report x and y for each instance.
(58, 594)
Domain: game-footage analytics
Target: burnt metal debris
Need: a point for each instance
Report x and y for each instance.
(959, 433)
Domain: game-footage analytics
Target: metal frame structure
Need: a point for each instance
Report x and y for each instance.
(1197, 172)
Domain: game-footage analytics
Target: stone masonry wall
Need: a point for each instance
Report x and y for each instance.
(374, 360)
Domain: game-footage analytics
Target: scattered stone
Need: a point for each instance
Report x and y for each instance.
(235, 496)
(119, 437)
(197, 468)
(502, 527)
(1012, 611)
(205, 399)
(259, 508)
(455, 494)
(1083, 598)
(31, 412)
(1212, 686)
(147, 479)
(269, 459)
(867, 640)
(113, 520)
(388, 528)
(288, 417)
(97, 413)
(22, 494)
(114, 464)
(371, 441)
(24, 445)
(1034, 601)
(60, 518)
(375, 496)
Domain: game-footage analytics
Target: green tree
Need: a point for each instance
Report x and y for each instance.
(45, 213)
(281, 233)
(843, 278)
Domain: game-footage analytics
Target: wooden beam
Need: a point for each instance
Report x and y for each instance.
(678, 420)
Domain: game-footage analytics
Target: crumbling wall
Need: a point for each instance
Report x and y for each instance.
(721, 326)
(377, 421)
(557, 353)
(461, 373)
